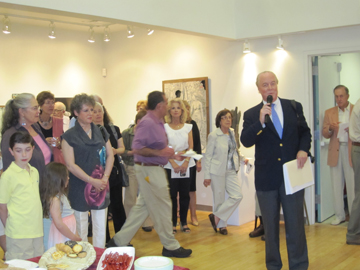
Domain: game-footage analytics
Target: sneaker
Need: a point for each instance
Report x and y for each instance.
(337, 221)
(178, 253)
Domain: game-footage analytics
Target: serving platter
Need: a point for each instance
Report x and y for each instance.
(120, 250)
(69, 263)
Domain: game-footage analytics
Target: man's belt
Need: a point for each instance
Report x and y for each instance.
(356, 143)
(148, 164)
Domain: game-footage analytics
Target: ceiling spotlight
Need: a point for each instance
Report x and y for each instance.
(246, 47)
(280, 45)
(106, 34)
(150, 31)
(91, 37)
(52, 30)
(6, 27)
(130, 32)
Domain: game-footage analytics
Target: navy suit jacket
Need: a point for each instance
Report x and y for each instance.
(271, 152)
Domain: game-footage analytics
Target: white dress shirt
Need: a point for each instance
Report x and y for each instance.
(279, 111)
(344, 117)
(354, 125)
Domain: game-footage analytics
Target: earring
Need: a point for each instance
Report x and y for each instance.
(23, 123)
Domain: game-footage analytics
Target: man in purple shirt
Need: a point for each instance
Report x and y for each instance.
(151, 152)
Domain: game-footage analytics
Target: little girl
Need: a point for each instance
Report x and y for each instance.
(56, 206)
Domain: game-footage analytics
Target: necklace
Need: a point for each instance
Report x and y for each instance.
(176, 126)
(88, 132)
(46, 123)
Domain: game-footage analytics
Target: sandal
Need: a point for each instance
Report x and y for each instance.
(174, 230)
(185, 230)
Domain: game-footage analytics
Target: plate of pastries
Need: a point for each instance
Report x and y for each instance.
(70, 255)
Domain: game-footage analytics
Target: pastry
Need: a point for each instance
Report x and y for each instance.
(71, 243)
(3, 264)
(65, 248)
(57, 255)
(82, 254)
(77, 248)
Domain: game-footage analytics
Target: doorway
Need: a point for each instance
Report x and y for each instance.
(329, 71)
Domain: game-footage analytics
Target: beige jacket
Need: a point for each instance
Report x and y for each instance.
(332, 116)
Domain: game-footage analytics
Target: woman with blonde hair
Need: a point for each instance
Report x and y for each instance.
(179, 173)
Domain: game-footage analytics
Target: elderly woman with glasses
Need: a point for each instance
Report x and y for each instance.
(221, 164)
(22, 114)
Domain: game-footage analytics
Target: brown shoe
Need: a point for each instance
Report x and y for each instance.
(223, 231)
(212, 220)
(259, 231)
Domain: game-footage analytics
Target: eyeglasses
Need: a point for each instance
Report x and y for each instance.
(226, 117)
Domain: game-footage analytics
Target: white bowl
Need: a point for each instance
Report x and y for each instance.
(154, 262)
(121, 250)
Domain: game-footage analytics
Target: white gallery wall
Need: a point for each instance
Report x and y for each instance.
(232, 19)
(32, 62)
(68, 65)
(139, 66)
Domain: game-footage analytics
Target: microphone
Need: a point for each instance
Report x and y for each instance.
(269, 99)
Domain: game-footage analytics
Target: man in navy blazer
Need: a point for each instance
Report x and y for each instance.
(273, 148)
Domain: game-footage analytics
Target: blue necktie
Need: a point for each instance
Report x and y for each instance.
(276, 121)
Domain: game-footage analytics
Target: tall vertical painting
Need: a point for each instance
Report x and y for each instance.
(196, 92)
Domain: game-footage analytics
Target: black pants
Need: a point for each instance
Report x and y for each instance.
(181, 185)
(117, 210)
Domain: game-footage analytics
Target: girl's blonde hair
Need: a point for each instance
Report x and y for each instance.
(52, 184)
(184, 113)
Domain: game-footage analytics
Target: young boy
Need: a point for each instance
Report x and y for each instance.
(20, 205)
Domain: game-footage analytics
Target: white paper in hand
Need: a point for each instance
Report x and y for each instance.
(296, 179)
(191, 153)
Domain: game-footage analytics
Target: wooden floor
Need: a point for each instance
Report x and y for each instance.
(211, 251)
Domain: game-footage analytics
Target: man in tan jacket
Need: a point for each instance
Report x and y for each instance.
(339, 158)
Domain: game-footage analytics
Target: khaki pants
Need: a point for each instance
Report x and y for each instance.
(153, 200)
(231, 184)
(131, 194)
(353, 234)
(340, 174)
(24, 248)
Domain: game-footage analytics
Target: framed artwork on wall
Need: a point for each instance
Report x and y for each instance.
(196, 92)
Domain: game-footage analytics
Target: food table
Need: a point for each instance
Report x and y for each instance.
(99, 252)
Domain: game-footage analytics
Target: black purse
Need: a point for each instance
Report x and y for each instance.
(115, 172)
(125, 176)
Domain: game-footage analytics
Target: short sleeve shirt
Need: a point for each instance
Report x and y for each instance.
(179, 140)
(150, 133)
(19, 190)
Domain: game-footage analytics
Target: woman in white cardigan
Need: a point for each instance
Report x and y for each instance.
(221, 164)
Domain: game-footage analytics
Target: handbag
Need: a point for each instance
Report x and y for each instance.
(125, 176)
